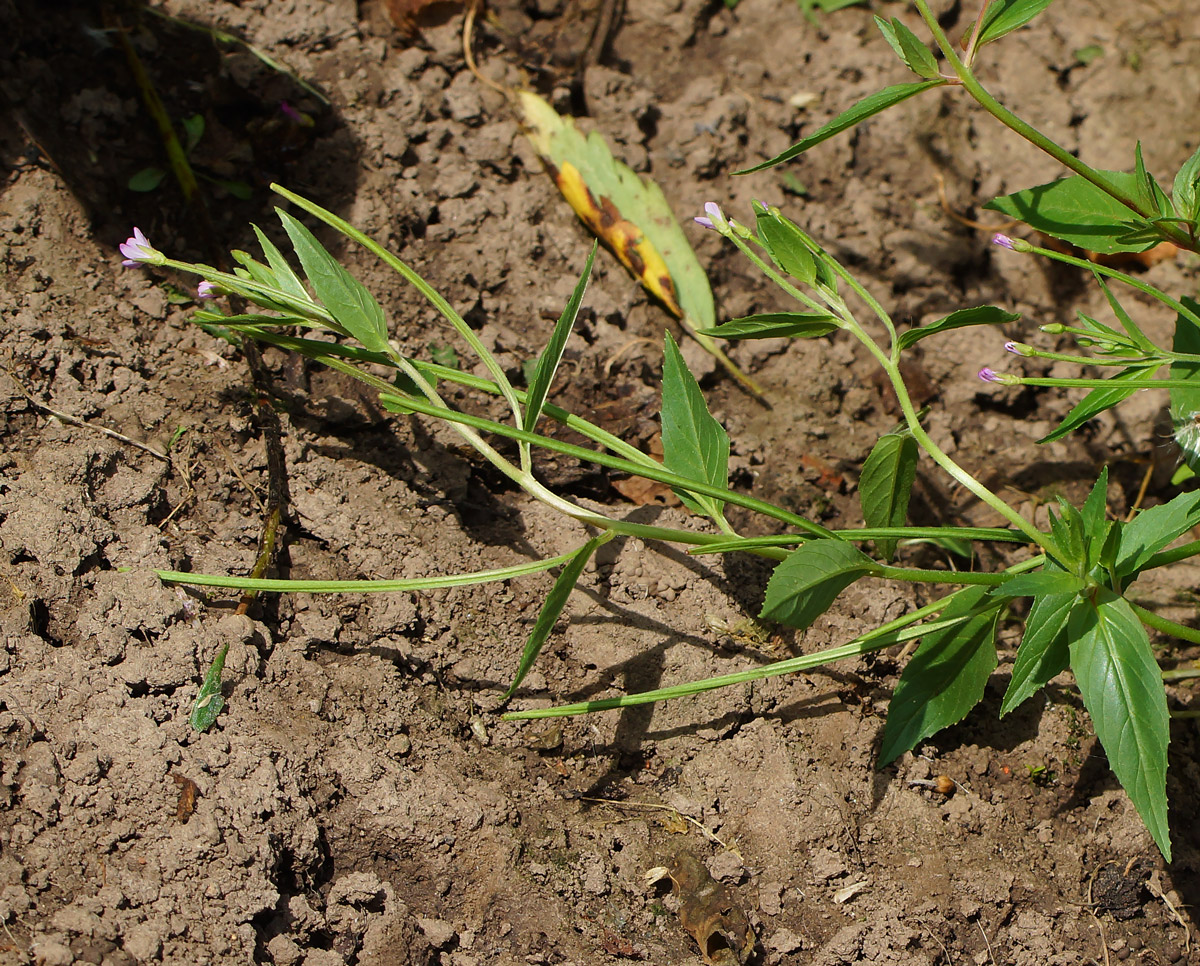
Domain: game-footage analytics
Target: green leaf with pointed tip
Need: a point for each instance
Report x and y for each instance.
(868, 107)
(785, 245)
(1004, 16)
(775, 325)
(285, 278)
(1151, 530)
(209, 701)
(146, 180)
(547, 364)
(1098, 400)
(1078, 212)
(885, 485)
(809, 579)
(694, 444)
(552, 607)
(916, 55)
(1095, 518)
(346, 298)
(1121, 685)
(1040, 584)
(946, 676)
(980, 315)
(1043, 653)
(1183, 190)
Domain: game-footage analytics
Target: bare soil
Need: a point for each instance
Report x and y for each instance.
(359, 801)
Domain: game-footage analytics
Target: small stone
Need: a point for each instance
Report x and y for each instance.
(785, 941)
(439, 932)
(52, 953)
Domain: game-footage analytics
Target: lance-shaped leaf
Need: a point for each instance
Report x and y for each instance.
(695, 445)
(809, 579)
(1004, 16)
(868, 107)
(1151, 530)
(980, 315)
(946, 676)
(1039, 584)
(210, 701)
(1183, 190)
(629, 214)
(284, 276)
(886, 484)
(1078, 212)
(547, 363)
(908, 47)
(785, 244)
(775, 325)
(1121, 685)
(1043, 653)
(1098, 400)
(346, 298)
(555, 601)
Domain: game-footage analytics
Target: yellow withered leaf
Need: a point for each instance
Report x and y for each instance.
(630, 216)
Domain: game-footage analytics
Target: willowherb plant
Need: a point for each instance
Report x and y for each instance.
(1081, 573)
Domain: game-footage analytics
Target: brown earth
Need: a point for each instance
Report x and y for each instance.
(358, 800)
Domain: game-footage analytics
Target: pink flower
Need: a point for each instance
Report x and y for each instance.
(1002, 240)
(138, 250)
(704, 222)
(713, 217)
(206, 290)
(989, 375)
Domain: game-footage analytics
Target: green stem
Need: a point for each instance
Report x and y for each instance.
(656, 472)
(1035, 137)
(1007, 380)
(919, 576)
(1164, 626)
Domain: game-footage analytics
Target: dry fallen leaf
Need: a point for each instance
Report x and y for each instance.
(408, 15)
(710, 912)
(188, 791)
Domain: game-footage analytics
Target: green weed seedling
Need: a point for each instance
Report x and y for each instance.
(1081, 573)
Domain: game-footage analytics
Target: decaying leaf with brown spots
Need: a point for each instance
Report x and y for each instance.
(710, 912)
(630, 215)
(188, 792)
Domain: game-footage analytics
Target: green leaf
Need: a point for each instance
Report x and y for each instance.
(146, 180)
(346, 298)
(1040, 584)
(285, 278)
(914, 53)
(885, 485)
(1085, 55)
(809, 7)
(1183, 190)
(809, 579)
(785, 244)
(209, 701)
(775, 325)
(193, 129)
(1185, 400)
(1135, 334)
(1151, 530)
(552, 607)
(946, 676)
(1004, 16)
(547, 364)
(1121, 685)
(868, 107)
(1098, 400)
(1094, 516)
(980, 315)
(1078, 212)
(1043, 653)
(694, 444)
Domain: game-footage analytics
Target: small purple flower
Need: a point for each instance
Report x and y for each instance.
(206, 290)
(989, 375)
(138, 250)
(1008, 346)
(704, 222)
(713, 217)
(1002, 240)
(290, 112)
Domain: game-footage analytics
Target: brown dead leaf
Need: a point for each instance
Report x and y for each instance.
(644, 492)
(188, 792)
(710, 912)
(410, 15)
